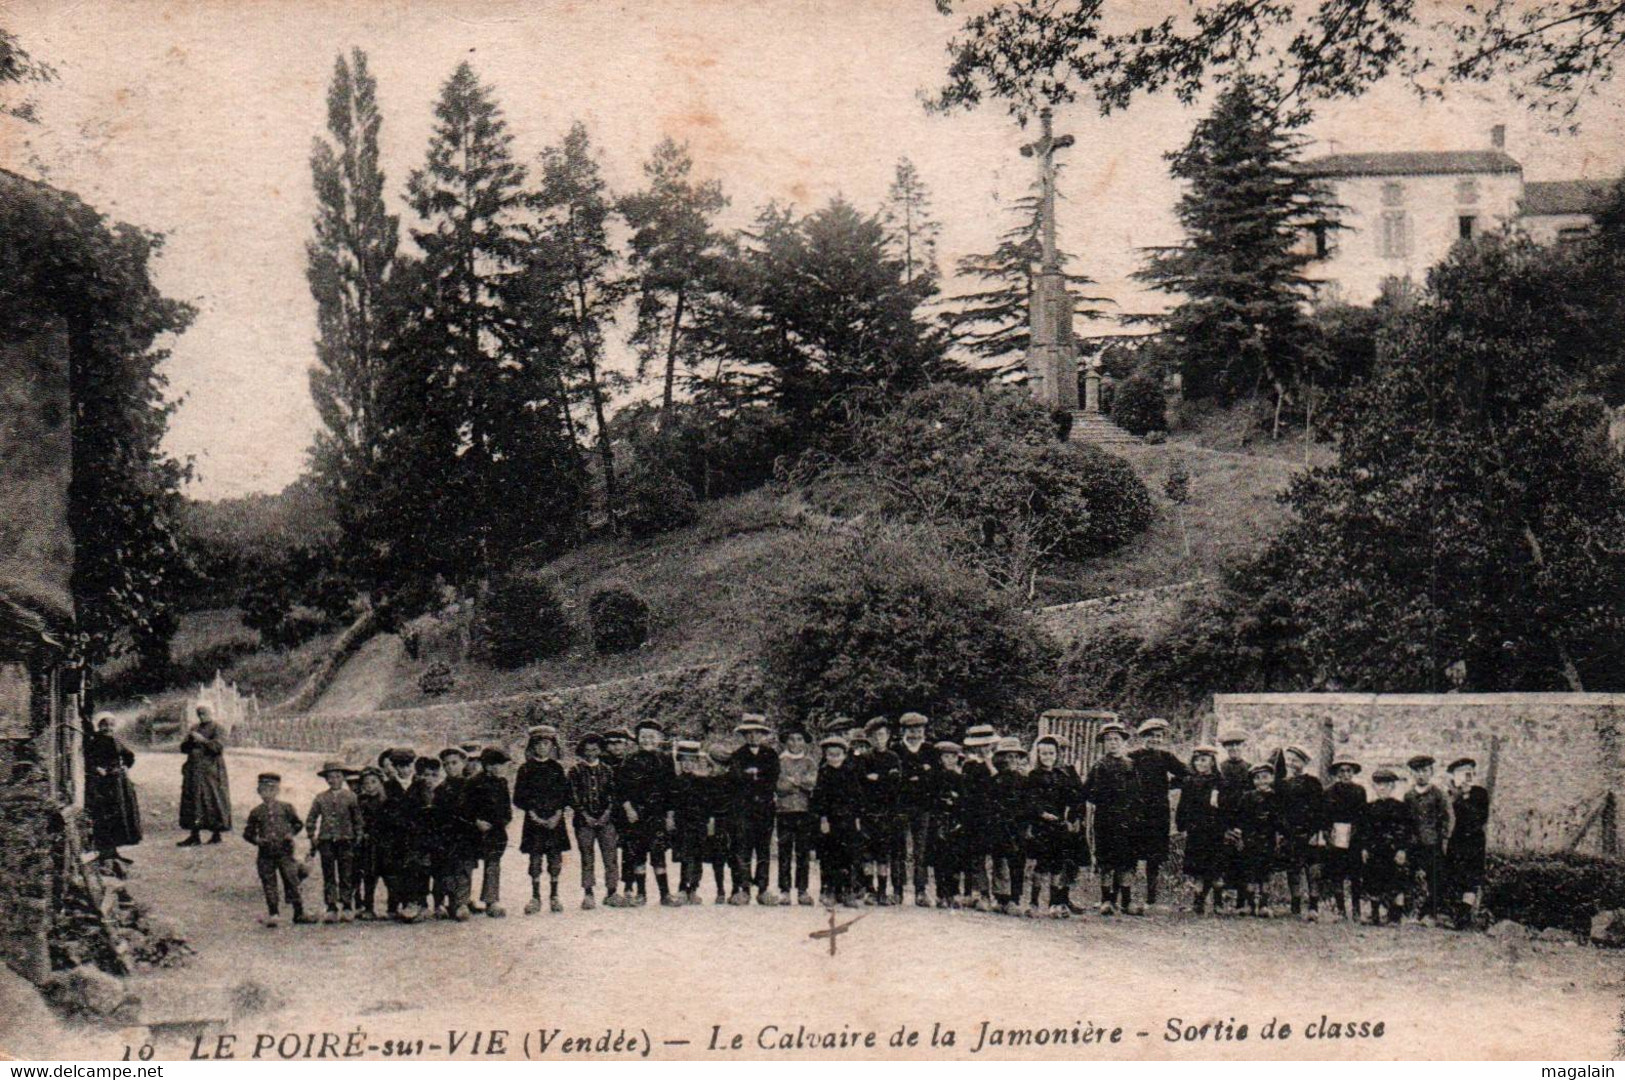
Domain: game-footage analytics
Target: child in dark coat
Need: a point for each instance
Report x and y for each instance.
(703, 801)
(1011, 823)
(1053, 794)
(372, 853)
(1386, 837)
(272, 828)
(541, 792)
(1113, 790)
(947, 827)
(1345, 814)
(1465, 855)
(837, 803)
(1200, 819)
(1259, 823)
(1303, 826)
(1158, 772)
(491, 806)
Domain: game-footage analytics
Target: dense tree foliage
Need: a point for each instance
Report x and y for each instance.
(1241, 324)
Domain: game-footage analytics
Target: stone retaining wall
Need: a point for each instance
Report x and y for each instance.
(1559, 755)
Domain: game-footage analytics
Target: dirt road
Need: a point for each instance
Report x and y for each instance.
(675, 973)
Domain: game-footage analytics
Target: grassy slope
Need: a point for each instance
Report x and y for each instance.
(704, 583)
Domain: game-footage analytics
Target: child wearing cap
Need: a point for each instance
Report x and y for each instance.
(882, 773)
(592, 805)
(272, 827)
(1113, 790)
(457, 846)
(753, 775)
(1235, 780)
(1303, 827)
(837, 802)
(792, 798)
(620, 744)
(917, 762)
(1386, 837)
(334, 826)
(643, 794)
(1157, 773)
(1430, 828)
(1465, 854)
(1258, 819)
(1202, 823)
(947, 827)
(489, 803)
(1345, 813)
(541, 791)
(702, 796)
(1052, 794)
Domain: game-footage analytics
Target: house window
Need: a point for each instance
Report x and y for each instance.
(1396, 234)
(1467, 190)
(1393, 194)
(1465, 226)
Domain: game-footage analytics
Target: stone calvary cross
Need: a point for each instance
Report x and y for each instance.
(1052, 356)
(835, 930)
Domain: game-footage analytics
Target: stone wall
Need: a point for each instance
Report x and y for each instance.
(1558, 755)
(695, 701)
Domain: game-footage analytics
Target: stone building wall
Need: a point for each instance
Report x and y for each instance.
(1559, 755)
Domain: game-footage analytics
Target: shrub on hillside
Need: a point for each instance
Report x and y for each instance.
(1139, 407)
(619, 618)
(1085, 501)
(436, 680)
(657, 501)
(519, 620)
(888, 627)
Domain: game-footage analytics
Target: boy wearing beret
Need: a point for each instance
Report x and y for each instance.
(881, 773)
(837, 803)
(592, 804)
(334, 826)
(1430, 828)
(491, 806)
(753, 775)
(1113, 790)
(917, 762)
(1345, 815)
(1465, 854)
(272, 827)
(1157, 773)
(792, 795)
(1386, 837)
(643, 795)
(541, 791)
(1303, 826)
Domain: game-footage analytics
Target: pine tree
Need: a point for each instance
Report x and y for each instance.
(912, 230)
(994, 324)
(510, 480)
(1241, 325)
(348, 265)
(571, 240)
(676, 254)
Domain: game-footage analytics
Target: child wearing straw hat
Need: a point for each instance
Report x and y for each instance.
(979, 816)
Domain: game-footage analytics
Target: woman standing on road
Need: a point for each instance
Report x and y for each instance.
(205, 792)
(115, 817)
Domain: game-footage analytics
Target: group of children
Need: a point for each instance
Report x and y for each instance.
(982, 822)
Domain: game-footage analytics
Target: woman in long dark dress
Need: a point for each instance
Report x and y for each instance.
(205, 792)
(115, 816)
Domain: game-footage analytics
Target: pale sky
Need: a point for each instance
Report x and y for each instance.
(196, 118)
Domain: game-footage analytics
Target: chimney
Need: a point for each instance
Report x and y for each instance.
(1498, 136)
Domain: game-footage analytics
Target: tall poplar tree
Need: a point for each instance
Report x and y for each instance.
(909, 223)
(348, 265)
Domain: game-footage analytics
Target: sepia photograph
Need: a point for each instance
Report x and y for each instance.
(812, 530)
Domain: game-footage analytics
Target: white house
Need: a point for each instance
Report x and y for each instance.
(1402, 211)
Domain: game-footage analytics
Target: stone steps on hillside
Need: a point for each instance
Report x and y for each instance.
(1099, 429)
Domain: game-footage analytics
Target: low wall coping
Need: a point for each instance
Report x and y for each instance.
(1615, 701)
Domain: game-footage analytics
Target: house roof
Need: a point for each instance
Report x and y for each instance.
(1413, 163)
(1542, 197)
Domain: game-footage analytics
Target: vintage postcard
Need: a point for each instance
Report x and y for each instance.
(823, 530)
